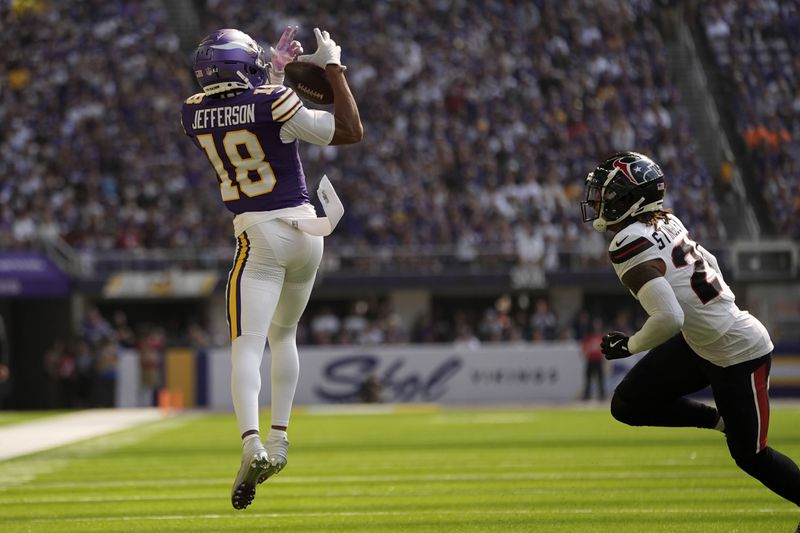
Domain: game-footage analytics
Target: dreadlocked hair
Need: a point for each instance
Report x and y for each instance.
(651, 218)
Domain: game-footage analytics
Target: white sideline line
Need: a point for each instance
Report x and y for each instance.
(416, 512)
(444, 478)
(50, 432)
(346, 410)
(215, 497)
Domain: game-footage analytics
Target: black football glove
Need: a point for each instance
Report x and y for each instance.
(615, 345)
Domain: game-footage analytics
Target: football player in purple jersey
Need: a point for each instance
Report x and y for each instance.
(249, 126)
(695, 334)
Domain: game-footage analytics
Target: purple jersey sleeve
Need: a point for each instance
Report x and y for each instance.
(240, 136)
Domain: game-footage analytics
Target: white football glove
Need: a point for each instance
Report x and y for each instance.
(328, 52)
(286, 50)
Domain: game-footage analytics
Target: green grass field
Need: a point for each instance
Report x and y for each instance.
(527, 469)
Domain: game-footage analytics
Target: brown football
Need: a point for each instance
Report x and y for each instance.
(309, 81)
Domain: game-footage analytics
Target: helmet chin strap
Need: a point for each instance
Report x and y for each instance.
(245, 79)
(600, 224)
(223, 87)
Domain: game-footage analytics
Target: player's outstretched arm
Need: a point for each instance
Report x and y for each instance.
(345, 110)
(348, 128)
(285, 51)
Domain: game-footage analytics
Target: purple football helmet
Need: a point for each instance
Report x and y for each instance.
(228, 60)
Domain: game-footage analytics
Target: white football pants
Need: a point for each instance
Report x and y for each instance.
(268, 289)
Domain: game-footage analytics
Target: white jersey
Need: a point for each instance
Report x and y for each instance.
(713, 326)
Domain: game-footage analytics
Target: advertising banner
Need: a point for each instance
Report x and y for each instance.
(31, 275)
(490, 374)
(161, 284)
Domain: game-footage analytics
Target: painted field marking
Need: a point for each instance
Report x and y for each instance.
(27, 469)
(50, 432)
(215, 496)
(493, 476)
(417, 512)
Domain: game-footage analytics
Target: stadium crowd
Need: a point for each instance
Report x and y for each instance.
(91, 130)
(81, 371)
(509, 318)
(756, 45)
(478, 132)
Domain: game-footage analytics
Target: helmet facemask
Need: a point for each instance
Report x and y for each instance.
(592, 205)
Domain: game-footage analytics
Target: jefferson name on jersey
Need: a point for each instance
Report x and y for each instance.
(222, 117)
(241, 136)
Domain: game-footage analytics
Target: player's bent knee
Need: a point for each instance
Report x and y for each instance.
(625, 412)
(751, 462)
(280, 333)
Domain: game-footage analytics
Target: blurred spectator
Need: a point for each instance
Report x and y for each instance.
(371, 390)
(67, 376)
(496, 323)
(543, 322)
(5, 363)
(595, 363)
(95, 329)
(465, 337)
(86, 355)
(530, 245)
(151, 357)
(105, 374)
(325, 326)
(198, 337)
(123, 333)
(373, 336)
(423, 330)
(625, 321)
(581, 324)
(356, 323)
(52, 369)
(394, 331)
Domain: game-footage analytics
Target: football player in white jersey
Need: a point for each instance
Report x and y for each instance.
(695, 334)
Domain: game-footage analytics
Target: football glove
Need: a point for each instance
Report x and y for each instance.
(615, 345)
(286, 50)
(328, 52)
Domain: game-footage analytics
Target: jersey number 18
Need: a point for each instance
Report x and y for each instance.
(245, 167)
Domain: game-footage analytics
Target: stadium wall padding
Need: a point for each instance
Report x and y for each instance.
(486, 374)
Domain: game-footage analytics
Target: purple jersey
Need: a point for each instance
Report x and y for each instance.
(240, 136)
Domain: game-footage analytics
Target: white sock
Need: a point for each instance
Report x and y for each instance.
(276, 434)
(284, 372)
(246, 353)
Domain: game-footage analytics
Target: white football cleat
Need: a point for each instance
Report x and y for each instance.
(277, 451)
(250, 474)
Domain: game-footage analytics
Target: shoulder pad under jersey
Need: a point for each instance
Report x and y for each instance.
(283, 101)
